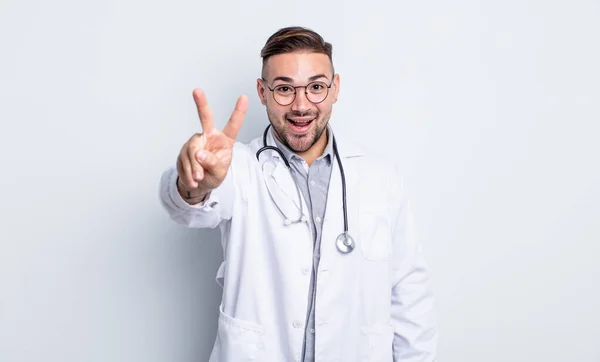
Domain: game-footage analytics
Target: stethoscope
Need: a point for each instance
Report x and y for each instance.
(344, 242)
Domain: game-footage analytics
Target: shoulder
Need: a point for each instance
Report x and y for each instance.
(379, 178)
(372, 162)
(245, 150)
(248, 147)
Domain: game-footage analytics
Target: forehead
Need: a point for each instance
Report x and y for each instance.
(298, 66)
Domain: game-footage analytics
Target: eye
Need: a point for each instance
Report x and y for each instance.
(284, 89)
(317, 88)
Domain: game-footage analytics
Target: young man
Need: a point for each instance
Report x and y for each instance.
(320, 260)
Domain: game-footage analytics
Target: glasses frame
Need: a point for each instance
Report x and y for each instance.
(300, 86)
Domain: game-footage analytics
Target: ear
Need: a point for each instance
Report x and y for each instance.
(336, 87)
(260, 89)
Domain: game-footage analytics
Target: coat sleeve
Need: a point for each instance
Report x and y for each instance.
(217, 207)
(413, 315)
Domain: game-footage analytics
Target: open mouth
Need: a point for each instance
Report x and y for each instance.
(300, 125)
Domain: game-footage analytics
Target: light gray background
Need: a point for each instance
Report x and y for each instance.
(491, 108)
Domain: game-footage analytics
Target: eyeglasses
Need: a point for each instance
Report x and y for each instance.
(285, 94)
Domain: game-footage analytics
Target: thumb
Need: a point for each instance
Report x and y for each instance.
(207, 159)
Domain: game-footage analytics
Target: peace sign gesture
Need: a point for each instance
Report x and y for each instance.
(204, 159)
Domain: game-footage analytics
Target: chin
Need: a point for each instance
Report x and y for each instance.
(302, 143)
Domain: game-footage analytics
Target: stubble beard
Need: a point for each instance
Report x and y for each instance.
(299, 143)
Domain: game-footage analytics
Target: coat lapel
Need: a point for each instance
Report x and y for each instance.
(282, 178)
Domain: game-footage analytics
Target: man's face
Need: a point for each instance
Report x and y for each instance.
(300, 124)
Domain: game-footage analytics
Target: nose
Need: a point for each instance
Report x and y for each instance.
(301, 103)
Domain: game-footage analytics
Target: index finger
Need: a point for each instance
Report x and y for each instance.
(237, 118)
(204, 112)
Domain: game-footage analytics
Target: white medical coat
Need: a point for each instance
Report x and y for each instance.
(373, 304)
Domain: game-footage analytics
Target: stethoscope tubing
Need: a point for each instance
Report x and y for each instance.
(346, 243)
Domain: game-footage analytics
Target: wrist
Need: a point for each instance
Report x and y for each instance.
(189, 194)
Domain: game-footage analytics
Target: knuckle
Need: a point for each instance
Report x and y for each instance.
(192, 150)
(195, 143)
(193, 140)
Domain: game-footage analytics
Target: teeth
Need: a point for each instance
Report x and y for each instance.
(300, 123)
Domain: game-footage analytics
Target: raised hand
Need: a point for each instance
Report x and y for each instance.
(204, 159)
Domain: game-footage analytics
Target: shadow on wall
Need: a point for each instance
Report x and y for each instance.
(195, 256)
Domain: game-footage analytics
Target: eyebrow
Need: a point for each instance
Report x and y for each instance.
(315, 77)
(285, 79)
(290, 80)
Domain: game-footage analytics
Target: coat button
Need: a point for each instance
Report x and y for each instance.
(305, 271)
(297, 323)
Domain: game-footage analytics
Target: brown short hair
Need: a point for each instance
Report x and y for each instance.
(295, 39)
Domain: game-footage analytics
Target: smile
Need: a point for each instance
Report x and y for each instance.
(300, 125)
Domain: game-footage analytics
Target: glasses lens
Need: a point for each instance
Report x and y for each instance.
(317, 91)
(284, 94)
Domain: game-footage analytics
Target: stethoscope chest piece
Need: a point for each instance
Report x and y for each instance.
(345, 243)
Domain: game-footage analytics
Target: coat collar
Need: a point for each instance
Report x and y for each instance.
(286, 194)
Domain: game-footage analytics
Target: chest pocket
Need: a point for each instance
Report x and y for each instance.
(375, 235)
